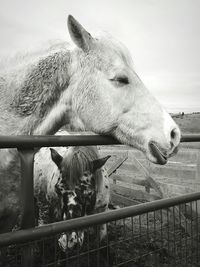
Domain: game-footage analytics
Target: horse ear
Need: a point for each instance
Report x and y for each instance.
(98, 163)
(79, 35)
(56, 157)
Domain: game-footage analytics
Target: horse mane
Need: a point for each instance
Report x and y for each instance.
(49, 73)
(30, 84)
(77, 161)
(32, 54)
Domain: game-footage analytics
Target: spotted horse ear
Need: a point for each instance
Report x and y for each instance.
(56, 157)
(98, 163)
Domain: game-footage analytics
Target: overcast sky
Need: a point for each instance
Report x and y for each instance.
(162, 35)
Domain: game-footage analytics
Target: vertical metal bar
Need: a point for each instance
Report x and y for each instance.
(154, 234)
(43, 253)
(67, 254)
(99, 245)
(161, 231)
(186, 231)
(140, 242)
(78, 252)
(168, 237)
(180, 238)
(27, 200)
(174, 235)
(107, 246)
(147, 217)
(27, 193)
(88, 248)
(132, 227)
(198, 165)
(197, 231)
(124, 229)
(192, 237)
(116, 246)
(55, 249)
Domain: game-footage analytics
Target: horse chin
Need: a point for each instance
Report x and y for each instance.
(159, 157)
(151, 150)
(67, 242)
(70, 241)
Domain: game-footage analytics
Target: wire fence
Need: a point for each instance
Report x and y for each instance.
(142, 235)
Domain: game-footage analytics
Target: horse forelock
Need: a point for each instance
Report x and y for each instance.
(76, 161)
(32, 54)
(107, 45)
(105, 48)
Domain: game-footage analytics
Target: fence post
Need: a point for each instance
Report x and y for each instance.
(198, 169)
(27, 200)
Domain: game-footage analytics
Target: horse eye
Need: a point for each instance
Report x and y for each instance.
(120, 80)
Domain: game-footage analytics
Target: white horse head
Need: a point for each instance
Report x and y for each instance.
(112, 99)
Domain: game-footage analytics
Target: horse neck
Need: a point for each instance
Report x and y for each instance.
(41, 103)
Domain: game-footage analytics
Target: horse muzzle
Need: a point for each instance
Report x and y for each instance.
(161, 154)
(70, 241)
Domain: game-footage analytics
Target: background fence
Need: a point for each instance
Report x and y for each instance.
(140, 180)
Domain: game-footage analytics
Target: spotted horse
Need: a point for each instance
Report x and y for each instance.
(70, 183)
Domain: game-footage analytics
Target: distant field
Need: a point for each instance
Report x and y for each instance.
(189, 124)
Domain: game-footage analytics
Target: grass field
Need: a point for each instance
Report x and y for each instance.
(189, 124)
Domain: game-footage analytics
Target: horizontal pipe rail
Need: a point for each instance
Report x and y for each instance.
(22, 236)
(30, 141)
(190, 138)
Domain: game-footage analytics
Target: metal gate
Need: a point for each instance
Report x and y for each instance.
(159, 233)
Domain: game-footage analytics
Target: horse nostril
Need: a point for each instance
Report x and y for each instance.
(175, 137)
(173, 133)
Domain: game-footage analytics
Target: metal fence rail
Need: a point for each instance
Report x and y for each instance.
(28, 141)
(154, 232)
(92, 220)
